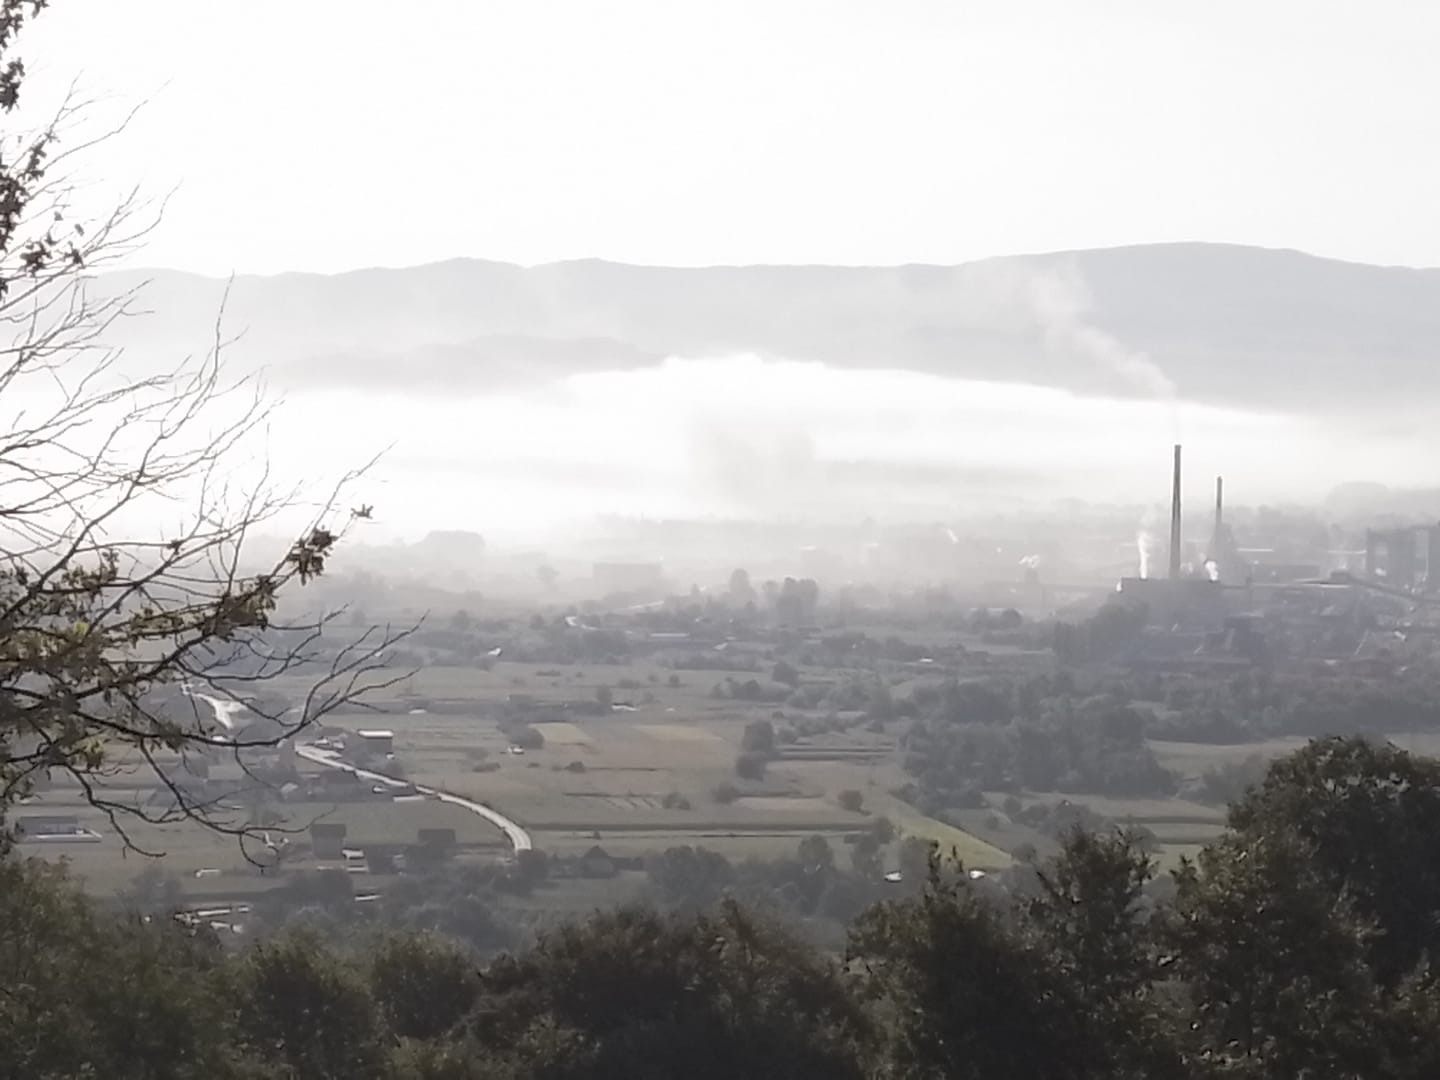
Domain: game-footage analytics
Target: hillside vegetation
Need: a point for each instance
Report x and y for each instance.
(1297, 944)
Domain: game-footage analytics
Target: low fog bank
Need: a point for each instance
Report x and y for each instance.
(569, 411)
(697, 466)
(754, 438)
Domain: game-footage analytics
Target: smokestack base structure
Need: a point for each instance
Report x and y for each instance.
(1175, 521)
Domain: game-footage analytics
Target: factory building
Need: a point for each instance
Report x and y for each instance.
(1183, 600)
(1406, 558)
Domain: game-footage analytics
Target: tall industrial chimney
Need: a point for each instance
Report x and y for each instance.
(1175, 521)
(1218, 538)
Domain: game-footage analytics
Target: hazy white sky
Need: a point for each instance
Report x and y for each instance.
(330, 134)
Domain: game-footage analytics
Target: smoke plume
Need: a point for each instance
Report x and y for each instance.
(1060, 303)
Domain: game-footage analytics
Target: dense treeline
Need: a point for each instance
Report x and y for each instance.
(1088, 730)
(1040, 734)
(1260, 705)
(1297, 945)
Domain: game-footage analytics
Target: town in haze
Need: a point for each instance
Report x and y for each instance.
(561, 542)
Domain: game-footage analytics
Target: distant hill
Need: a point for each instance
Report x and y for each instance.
(1222, 323)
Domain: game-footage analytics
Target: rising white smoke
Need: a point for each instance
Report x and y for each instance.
(1145, 547)
(1060, 303)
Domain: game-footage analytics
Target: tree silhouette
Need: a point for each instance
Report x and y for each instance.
(129, 584)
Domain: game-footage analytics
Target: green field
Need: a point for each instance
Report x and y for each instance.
(611, 778)
(636, 780)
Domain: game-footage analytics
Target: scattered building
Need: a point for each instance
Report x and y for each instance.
(376, 741)
(53, 829)
(1405, 558)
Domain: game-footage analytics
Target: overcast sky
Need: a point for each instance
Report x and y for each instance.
(331, 134)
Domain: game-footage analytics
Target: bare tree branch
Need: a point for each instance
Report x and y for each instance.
(113, 625)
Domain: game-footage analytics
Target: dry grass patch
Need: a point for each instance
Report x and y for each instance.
(562, 733)
(783, 804)
(678, 733)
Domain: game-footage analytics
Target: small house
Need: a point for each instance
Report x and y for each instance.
(378, 742)
(53, 829)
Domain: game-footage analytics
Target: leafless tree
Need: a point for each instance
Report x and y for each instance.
(129, 502)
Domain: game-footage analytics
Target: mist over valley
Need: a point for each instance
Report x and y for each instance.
(523, 398)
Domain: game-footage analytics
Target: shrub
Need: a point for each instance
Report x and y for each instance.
(759, 738)
(851, 800)
(725, 793)
(786, 674)
(527, 738)
(750, 766)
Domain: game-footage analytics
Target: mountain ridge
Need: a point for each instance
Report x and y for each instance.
(1226, 324)
(601, 260)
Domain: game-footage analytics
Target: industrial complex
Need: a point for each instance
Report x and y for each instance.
(1219, 603)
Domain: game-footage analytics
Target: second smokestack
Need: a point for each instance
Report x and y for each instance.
(1217, 540)
(1175, 520)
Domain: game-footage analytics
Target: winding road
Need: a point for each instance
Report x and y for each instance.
(514, 832)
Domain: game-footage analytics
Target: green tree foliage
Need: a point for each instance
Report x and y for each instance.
(786, 674)
(741, 592)
(86, 995)
(690, 877)
(1367, 816)
(1112, 630)
(1262, 960)
(795, 602)
(304, 1006)
(750, 765)
(960, 994)
(1230, 780)
(634, 994)
(865, 859)
(423, 984)
(1087, 919)
(759, 737)
(970, 737)
(1275, 964)
(1304, 935)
